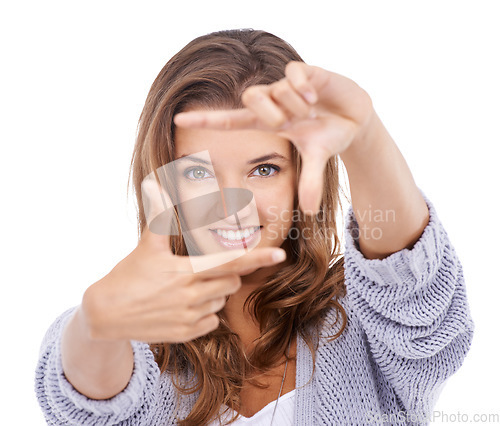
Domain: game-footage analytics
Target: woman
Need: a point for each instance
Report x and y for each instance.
(245, 306)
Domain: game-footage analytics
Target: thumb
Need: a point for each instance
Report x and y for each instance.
(158, 210)
(311, 183)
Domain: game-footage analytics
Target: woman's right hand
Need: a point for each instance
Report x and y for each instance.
(154, 296)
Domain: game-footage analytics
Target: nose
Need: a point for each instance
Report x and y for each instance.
(233, 193)
(234, 205)
(230, 205)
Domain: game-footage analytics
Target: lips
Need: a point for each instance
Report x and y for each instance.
(238, 234)
(236, 238)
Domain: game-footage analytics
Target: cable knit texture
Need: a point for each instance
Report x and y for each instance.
(409, 328)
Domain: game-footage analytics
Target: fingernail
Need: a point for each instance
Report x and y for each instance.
(178, 118)
(285, 126)
(279, 255)
(310, 97)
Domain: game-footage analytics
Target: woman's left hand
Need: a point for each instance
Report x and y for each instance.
(322, 113)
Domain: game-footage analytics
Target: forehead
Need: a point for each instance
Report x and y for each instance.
(229, 144)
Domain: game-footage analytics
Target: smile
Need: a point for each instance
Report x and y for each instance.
(235, 235)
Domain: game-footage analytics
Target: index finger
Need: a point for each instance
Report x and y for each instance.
(245, 264)
(298, 74)
(232, 119)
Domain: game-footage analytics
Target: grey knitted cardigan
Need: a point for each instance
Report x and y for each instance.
(409, 328)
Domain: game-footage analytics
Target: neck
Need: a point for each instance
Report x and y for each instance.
(241, 321)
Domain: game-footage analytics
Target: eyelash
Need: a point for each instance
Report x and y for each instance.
(276, 168)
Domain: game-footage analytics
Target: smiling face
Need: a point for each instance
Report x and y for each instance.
(256, 162)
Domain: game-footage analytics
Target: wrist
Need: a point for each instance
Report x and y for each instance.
(367, 141)
(95, 313)
(96, 368)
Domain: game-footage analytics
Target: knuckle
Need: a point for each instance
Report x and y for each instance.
(189, 316)
(294, 71)
(278, 120)
(303, 86)
(191, 296)
(220, 303)
(204, 326)
(291, 65)
(216, 305)
(235, 281)
(180, 333)
(213, 322)
(251, 94)
(280, 89)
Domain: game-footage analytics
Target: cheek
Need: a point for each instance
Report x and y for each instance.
(275, 206)
(189, 190)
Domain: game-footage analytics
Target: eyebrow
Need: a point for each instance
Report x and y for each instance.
(267, 157)
(186, 157)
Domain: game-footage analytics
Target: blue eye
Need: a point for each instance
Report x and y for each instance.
(266, 170)
(197, 173)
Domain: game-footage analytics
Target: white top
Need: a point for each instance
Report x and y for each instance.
(283, 416)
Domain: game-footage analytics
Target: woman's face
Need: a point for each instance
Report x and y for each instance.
(253, 162)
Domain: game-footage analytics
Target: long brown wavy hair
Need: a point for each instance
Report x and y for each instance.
(212, 71)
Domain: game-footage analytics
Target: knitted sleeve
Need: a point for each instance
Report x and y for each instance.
(62, 404)
(413, 308)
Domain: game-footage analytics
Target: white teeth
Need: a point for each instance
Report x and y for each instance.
(236, 235)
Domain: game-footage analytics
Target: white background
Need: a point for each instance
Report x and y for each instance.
(74, 78)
